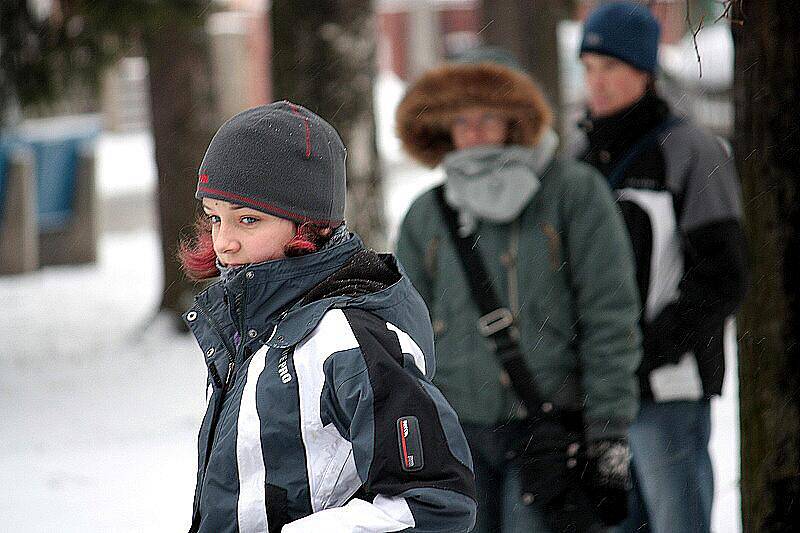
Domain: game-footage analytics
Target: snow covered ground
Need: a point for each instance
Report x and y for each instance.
(101, 402)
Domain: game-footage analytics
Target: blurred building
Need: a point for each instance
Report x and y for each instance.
(414, 35)
(125, 101)
(240, 42)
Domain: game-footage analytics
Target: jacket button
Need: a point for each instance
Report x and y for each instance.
(527, 498)
(210, 352)
(252, 333)
(191, 316)
(547, 407)
(604, 156)
(571, 463)
(249, 275)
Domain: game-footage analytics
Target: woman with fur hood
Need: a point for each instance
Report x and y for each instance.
(556, 254)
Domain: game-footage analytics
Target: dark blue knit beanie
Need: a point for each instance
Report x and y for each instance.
(625, 30)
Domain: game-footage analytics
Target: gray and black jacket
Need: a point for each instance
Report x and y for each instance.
(321, 414)
(678, 191)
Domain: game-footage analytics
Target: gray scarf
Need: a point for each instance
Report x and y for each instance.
(495, 183)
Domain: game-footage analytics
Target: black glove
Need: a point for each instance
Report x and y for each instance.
(550, 472)
(609, 478)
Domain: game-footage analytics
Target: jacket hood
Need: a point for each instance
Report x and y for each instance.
(368, 281)
(424, 115)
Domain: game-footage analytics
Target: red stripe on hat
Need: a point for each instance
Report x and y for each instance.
(263, 205)
(308, 129)
(203, 178)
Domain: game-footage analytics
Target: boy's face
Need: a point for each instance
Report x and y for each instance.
(242, 235)
(478, 126)
(611, 84)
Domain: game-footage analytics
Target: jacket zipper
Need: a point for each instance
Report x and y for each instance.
(239, 313)
(217, 415)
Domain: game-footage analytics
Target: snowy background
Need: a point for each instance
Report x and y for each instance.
(101, 402)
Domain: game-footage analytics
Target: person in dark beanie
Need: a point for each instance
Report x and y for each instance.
(677, 188)
(321, 413)
(554, 248)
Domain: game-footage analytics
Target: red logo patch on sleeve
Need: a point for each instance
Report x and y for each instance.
(410, 444)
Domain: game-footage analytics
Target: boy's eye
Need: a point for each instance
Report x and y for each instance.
(213, 219)
(248, 220)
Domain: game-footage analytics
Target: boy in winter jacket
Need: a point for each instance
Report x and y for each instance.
(677, 188)
(321, 414)
(555, 250)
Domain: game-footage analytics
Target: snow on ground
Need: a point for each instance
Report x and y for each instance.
(100, 413)
(101, 402)
(138, 175)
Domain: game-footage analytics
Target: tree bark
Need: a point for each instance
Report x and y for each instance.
(528, 29)
(183, 119)
(324, 59)
(767, 142)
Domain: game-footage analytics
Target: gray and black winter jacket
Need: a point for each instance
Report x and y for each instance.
(321, 414)
(678, 191)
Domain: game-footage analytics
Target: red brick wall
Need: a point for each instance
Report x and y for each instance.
(259, 43)
(459, 19)
(463, 20)
(392, 36)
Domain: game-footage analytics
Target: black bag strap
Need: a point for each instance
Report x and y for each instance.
(496, 322)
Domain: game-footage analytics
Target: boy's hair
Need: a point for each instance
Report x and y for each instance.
(199, 261)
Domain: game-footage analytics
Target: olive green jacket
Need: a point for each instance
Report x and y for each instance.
(565, 270)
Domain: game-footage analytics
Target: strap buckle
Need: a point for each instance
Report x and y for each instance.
(495, 321)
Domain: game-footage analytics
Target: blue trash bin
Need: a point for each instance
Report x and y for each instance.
(56, 144)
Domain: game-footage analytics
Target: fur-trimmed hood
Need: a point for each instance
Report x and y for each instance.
(424, 115)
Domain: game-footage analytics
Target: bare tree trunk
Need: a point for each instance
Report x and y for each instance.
(324, 59)
(528, 29)
(767, 140)
(183, 123)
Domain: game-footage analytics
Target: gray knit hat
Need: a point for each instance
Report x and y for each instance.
(280, 159)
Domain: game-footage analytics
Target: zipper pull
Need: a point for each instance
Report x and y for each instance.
(229, 377)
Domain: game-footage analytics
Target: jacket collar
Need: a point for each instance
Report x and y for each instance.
(259, 294)
(270, 287)
(610, 137)
(296, 323)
